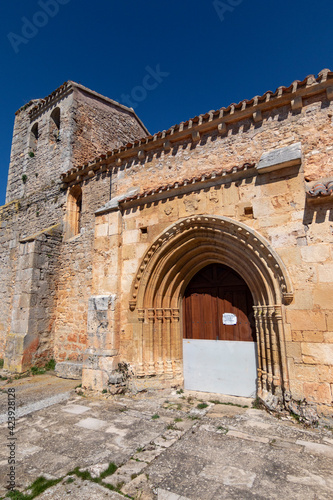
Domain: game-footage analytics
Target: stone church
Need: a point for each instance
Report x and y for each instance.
(197, 257)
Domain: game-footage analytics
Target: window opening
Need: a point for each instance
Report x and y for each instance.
(73, 213)
(55, 125)
(33, 140)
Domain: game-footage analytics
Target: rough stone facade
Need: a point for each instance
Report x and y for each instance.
(248, 186)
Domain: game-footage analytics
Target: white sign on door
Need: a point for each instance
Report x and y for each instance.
(229, 319)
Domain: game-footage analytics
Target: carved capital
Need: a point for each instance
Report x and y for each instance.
(151, 314)
(141, 314)
(167, 314)
(159, 314)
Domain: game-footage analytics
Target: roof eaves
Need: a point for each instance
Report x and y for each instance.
(234, 112)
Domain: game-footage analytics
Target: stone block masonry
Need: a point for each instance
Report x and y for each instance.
(34, 301)
(49, 136)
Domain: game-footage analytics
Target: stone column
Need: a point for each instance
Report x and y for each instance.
(167, 343)
(140, 367)
(259, 347)
(261, 324)
(150, 343)
(282, 348)
(159, 342)
(176, 343)
(275, 352)
(268, 349)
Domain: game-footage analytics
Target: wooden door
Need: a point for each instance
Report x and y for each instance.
(214, 291)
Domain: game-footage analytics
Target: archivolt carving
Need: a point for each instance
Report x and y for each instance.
(193, 242)
(165, 271)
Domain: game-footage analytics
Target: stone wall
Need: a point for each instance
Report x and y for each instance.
(30, 340)
(101, 126)
(42, 162)
(274, 204)
(74, 282)
(35, 198)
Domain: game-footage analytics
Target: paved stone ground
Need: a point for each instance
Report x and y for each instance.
(166, 447)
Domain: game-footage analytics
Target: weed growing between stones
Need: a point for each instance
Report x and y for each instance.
(1, 363)
(201, 406)
(154, 417)
(34, 370)
(39, 486)
(217, 402)
(109, 471)
(171, 427)
(257, 404)
(222, 430)
(40, 370)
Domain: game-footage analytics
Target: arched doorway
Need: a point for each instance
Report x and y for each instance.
(166, 269)
(219, 337)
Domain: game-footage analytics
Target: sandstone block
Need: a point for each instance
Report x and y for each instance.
(69, 369)
(321, 354)
(329, 321)
(307, 336)
(101, 230)
(315, 253)
(328, 337)
(262, 207)
(130, 237)
(306, 373)
(303, 299)
(323, 296)
(294, 351)
(317, 392)
(306, 320)
(325, 373)
(325, 273)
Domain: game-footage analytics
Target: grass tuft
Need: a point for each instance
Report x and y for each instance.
(109, 471)
(217, 402)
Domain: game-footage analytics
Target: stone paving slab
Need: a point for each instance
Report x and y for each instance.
(183, 453)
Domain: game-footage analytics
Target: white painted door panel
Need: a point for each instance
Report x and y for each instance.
(224, 367)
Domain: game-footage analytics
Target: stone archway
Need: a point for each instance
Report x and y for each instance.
(167, 268)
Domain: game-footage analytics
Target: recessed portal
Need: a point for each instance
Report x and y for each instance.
(219, 344)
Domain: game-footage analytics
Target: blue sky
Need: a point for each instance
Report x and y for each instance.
(207, 53)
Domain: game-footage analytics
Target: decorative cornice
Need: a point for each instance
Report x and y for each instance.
(320, 192)
(170, 189)
(321, 189)
(218, 120)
